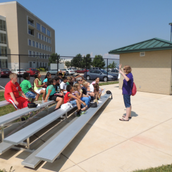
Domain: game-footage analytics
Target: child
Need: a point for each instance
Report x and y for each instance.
(74, 102)
(12, 90)
(63, 85)
(50, 93)
(38, 85)
(80, 95)
(27, 88)
(47, 76)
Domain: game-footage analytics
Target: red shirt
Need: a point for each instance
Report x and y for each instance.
(10, 87)
(66, 97)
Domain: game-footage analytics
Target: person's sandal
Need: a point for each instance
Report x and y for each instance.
(122, 119)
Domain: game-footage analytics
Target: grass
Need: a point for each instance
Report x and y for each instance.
(163, 168)
(109, 83)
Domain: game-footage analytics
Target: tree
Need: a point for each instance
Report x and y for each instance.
(77, 61)
(98, 61)
(67, 63)
(54, 58)
(112, 65)
(87, 61)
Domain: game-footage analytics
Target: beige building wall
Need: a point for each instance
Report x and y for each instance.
(17, 34)
(152, 72)
(9, 10)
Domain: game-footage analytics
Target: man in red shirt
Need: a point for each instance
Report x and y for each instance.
(11, 94)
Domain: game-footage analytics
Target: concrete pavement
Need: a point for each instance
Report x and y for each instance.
(109, 145)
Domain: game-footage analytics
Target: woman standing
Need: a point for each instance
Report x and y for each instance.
(126, 90)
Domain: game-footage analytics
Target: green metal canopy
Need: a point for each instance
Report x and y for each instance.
(148, 45)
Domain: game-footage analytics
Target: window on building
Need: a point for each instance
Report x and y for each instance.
(31, 22)
(43, 37)
(33, 54)
(36, 44)
(50, 41)
(31, 31)
(39, 36)
(30, 64)
(30, 53)
(38, 26)
(30, 42)
(2, 25)
(33, 43)
(3, 51)
(40, 45)
(50, 49)
(3, 38)
(43, 46)
(48, 33)
(43, 29)
(37, 54)
(40, 55)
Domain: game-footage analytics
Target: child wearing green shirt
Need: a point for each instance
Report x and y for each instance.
(27, 88)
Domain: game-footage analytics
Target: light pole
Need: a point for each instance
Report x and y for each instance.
(170, 30)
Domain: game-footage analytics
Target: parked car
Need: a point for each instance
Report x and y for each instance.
(113, 71)
(22, 71)
(82, 71)
(72, 68)
(4, 72)
(53, 71)
(63, 71)
(94, 73)
(115, 75)
(70, 71)
(32, 71)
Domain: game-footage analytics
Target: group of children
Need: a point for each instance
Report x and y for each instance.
(74, 90)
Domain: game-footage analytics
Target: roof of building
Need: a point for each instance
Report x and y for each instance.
(153, 44)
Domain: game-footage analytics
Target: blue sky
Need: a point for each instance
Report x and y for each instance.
(98, 26)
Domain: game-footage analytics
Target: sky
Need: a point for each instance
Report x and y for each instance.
(98, 26)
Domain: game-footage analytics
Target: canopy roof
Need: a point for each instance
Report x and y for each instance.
(148, 45)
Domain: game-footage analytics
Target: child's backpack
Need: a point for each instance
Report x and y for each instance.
(134, 89)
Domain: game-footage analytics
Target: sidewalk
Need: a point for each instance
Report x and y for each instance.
(109, 145)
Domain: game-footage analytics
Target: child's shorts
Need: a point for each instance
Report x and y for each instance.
(30, 94)
(39, 90)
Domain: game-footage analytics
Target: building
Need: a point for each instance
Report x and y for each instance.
(151, 63)
(21, 32)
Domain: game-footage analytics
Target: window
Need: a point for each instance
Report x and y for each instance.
(43, 29)
(3, 51)
(43, 37)
(142, 54)
(36, 44)
(2, 25)
(31, 22)
(50, 48)
(30, 53)
(30, 42)
(43, 46)
(33, 43)
(48, 33)
(37, 54)
(30, 64)
(40, 55)
(39, 36)
(33, 54)
(3, 38)
(40, 45)
(38, 26)
(31, 32)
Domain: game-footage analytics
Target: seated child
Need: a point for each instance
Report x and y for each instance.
(74, 102)
(51, 93)
(11, 94)
(63, 85)
(78, 93)
(38, 85)
(27, 88)
(47, 76)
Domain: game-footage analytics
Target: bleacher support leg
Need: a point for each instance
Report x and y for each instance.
(28, 143)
